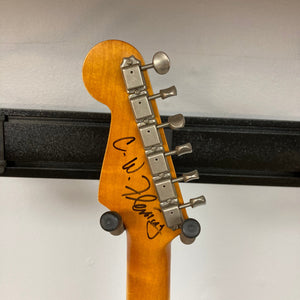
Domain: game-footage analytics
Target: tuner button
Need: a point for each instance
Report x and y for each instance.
(160, 62)
(174, 122)
(112, 222)
(194, 202)
(165, 93)
(181, 150)
(197, 201)
(190, 229)
(186, 177)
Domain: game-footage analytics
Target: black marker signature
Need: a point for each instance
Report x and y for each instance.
(139, 197)
(139, 206)
(131, 164)
(129, 140)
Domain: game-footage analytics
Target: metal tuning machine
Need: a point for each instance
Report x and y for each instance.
(160, 63)
(140, 102)
(174, 122)
(181, 150)
(165, 93)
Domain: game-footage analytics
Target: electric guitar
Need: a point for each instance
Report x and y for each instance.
(138, 183)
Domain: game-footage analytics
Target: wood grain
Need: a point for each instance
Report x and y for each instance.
(126, 184)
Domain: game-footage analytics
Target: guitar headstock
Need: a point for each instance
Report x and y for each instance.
(138, 180)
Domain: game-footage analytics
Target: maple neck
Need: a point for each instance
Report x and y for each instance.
(148, 271)
(138, 180)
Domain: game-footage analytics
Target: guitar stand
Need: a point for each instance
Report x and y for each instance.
(112, 222)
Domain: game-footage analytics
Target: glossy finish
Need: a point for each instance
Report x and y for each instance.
(125, 183)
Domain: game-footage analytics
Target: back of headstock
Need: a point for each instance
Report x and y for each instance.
(138, 182)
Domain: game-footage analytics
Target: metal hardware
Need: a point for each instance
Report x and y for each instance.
(150, 136)
(132, 74)
(165, 189)
(174, 122)
(194, 202)
(186, 177)
(112, 222)
(160, 62)
(2, 161)
(165, 93)
(172, 213)
(155, 153)
(158, 163)
(181, 150)
(141, 107)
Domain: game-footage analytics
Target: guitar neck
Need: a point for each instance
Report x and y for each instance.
(148, 271)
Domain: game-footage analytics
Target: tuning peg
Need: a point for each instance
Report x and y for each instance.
(160, 62)
(165, 93)
(174, 122)
(194, 202)
(190, 229)
(186, 177)
(112, 222)
(181, 150)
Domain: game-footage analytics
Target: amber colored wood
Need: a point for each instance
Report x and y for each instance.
(125, 183)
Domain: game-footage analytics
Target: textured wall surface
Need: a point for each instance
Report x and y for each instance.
(229, 59)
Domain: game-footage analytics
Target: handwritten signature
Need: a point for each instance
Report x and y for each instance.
(139, 197)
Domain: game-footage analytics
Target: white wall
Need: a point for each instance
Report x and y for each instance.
(229, 59)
